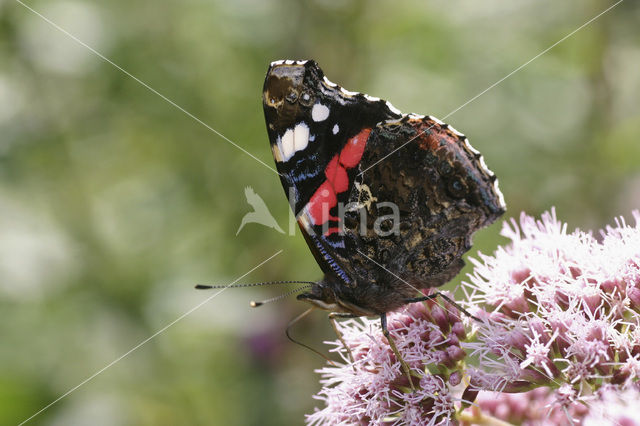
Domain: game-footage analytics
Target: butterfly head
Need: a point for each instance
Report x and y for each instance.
(323, 295)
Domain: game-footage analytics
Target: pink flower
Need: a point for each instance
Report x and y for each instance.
(373, 388)
(546, 406)
(614, 407)
(561, 306)
(536, 407)
(557, 340)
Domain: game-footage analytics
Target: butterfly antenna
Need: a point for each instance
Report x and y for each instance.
(207, 287)
(282, 296)
(288, 334)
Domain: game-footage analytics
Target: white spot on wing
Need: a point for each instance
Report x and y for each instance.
(319, 112)
(292, 141)
(300, 137)
(289, 62)
(287, 145)
(280, 62)
(371, 98)
(335, 129)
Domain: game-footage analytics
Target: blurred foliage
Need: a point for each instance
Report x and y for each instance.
(114, 203)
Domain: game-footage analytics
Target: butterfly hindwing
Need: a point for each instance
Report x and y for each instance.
(440, 191)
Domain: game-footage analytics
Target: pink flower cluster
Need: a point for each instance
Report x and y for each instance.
(536, 407)
(609, 406)
(559, 309)
(557, 340)
(614, 407)
(370, 387)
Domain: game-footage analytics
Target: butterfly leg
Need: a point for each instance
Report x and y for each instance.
(445, 297)
(394, 348)
(332, 318)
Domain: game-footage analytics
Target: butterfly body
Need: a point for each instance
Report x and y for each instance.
(387, 202)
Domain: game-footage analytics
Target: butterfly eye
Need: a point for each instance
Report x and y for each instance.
(291, 97)
(306, 99)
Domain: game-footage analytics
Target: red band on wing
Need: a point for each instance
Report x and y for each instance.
(337, 175)
(321, 202)
(325, 198)
(353, 150)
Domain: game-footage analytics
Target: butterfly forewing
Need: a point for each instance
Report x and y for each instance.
(318, 134)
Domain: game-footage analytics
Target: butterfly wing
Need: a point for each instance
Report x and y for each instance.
(318, 134)
(439, 192)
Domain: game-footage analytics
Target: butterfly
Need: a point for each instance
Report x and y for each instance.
(387, 202)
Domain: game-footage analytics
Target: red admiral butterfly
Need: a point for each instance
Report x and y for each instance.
(336, 154)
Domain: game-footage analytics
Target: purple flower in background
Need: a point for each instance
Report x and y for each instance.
(558, 339)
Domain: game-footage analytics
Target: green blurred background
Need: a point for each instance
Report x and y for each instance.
(113, 203)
